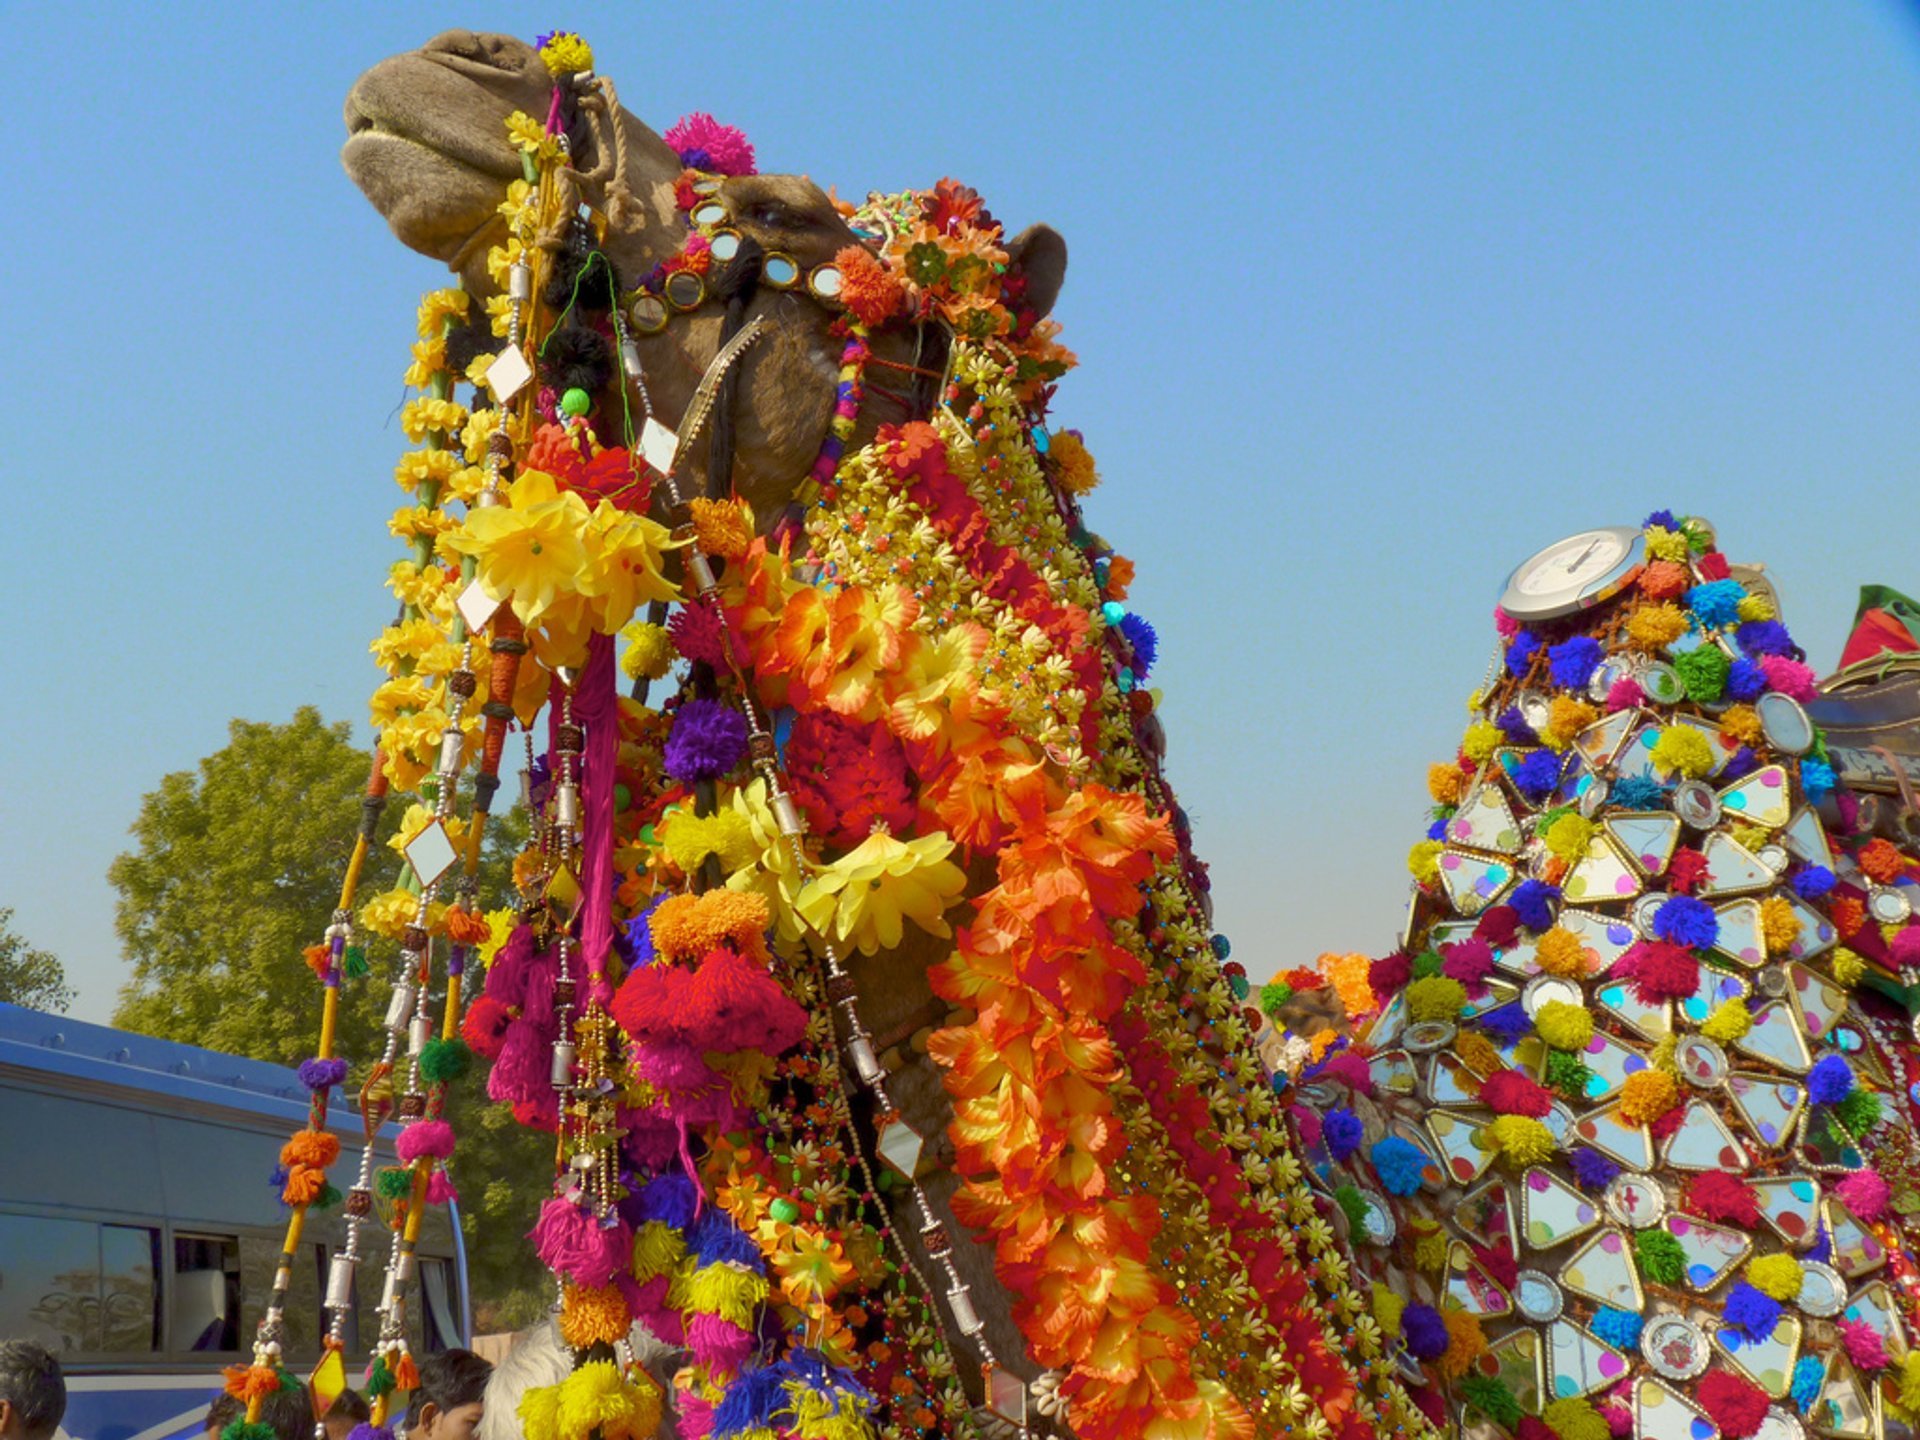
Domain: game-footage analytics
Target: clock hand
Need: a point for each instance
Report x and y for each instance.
(1577, 561)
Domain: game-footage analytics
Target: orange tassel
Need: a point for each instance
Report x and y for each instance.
(250, 1382)
(406, 1375)
(304, 1184)
(311, 1147)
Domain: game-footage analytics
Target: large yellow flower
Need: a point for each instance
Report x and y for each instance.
(623, 565)
(532, 548)
(866, 896)
(777, 873)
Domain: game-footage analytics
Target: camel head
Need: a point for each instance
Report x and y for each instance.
(428, 146)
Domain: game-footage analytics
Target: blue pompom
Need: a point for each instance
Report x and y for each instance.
(1663, 519)
(1813, 882)
(1342, 1131)
(715, 1239)
(1533, 902)
(1809, 1373)
(1686, 921)
(1222, 948)
(1638, 792)
(1521, 650)
(1830, 1081)
(1717, 602)
(1592, 1170)
(1145, 642)
(1618, 1328)
(1816, 778)
(1437, 830)
(1424, 1332)
(1513, 725)
(1572, 662)
(669, 1198)
(1537, 774)
(1764, 637)
(1751, 1310)
(1745, 680)
(1399, 1164)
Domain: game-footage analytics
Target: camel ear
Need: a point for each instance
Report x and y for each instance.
(1040, 254)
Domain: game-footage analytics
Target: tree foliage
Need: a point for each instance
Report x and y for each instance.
(28, 976)
(236, 868)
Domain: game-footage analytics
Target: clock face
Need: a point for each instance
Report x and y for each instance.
(1580, 570)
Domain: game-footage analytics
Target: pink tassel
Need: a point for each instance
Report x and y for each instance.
(440, 1189)
(573, 1242)
(425, 1137)
(524, 1069)
(651, 1140)
(652, 1311)
(718, 1344)
(694, 1415)
(1865, 1193)
(1350, 1070)
(671, 1067)
(507, 976)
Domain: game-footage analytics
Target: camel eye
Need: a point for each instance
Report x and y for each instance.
(771, 214)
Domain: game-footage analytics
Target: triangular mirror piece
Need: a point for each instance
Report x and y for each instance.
(1445, 1082)
(1393, 1073)
(1816, 931)
(1769, 1362)
(1388, 1024)
(1822, 1003)
(1617, 1138)
(1712, 1251)
(1647, 838)
(1790, 1204)
(1485, 821)
(1453, 1137)
(1856, 1251)
(1761, 798)
(1603, 876)
(1485, 1215)
(1768, 1106)
(1602, 1270)
(1874, 1306)
(1650, 1022)
(1845, 1409)
(1471, 1288)
(1514, 1360)
(1703, 1142)
(1806, 839)
(1609, 1063)
(1713, 989)
(1775, 1037)
(1661, 1413)
(1601, 741)
(1741, 936)
(1605, 937)
(1578, 1363)
(1636, 757)
(1496, 993)
(1553, 1211)
(1473, 882)
(1732, 869)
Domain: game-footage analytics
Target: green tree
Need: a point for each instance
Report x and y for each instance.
(30, 977)
(236, 869)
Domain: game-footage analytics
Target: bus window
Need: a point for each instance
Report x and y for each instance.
(259, 1261)
(206, 1293)
(78, 1287)
(437, 1294)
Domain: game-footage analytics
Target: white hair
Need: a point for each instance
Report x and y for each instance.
(540, 1357)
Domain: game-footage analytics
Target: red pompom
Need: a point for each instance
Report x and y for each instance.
(1388, 975)
(1717, 1195)
(1532, 1427)
(1499, 927)
(1659, 971)
(485, 1027)
(1734, 1404)
(1508, 1092)
(1685, 871)
(1713, 566)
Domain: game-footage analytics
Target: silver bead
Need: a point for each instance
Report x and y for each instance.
(566, 804)
(400, 1006)
(701, 572)
(389, 1287)
(630, 358)
(419, 1034)
(865, 1063)
(787, 815)
(563, 1054)
(520, 281)
(452, 742)
(964, 1315)
(403, 1267)
(340, 1282)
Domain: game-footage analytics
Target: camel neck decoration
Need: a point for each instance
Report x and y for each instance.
(1625, 1129)
(867, 981)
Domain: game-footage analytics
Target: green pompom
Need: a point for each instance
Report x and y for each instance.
(576, 401)
(1273, 995)
(243, 1429)
(1492, 1399)
(1859, 1112)
(326, 1199)
(1349, 1199)
(442, 1061)
(393, 1184)
(354, 965)
(1426, 963)
(1661, 1259)
(1704, 673)
(379, 1379)
(1567, 1074)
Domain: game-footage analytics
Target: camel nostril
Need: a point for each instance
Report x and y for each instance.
(490, 50)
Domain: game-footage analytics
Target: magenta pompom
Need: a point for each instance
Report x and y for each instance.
(718, 1344)
(1789, 677)
(524, 1068)
(432, 1138)
(1865, 1193)
(1624, 694)
(1468, 961)
(440, 1189)
(703, 143)
(573, 1242)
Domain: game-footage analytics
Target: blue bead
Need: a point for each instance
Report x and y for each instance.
(1124, 680)
(1113, 612)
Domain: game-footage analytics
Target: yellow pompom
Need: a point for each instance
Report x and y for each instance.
(1071, 462)
(1564, 1026)
(1647, 1095)
(1423, 861)
(1387, 1308)
(1430, 1250)
(1665, 544)
(1466, 1343)
(566, 53)
(1477, 1052)
(1775, 1275)
(1742, 722)
(1654, 627)
(1755, 606)
(1779, 924)
(1559, 952)
(1569, 837)
(1446, 784)
(1520, 1139)
(1483, 737)
(1910, 1381)
(690, 839)
(1848, 967)
(1438, 997)
(649, 652)
(597, 1399)
(657, 1249)
(1566, 718)
(539, 1413)
(1682, 749)
(1574, 1418)
(1729, 1021)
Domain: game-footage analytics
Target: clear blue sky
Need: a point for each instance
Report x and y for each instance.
(1372, 301)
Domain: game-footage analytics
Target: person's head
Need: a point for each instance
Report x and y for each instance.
(449, 1400)
(349, 1409)
(33, 1393)
(287, 1412)
(223, 1412)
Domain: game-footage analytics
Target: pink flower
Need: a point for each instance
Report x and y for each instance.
(703, 143)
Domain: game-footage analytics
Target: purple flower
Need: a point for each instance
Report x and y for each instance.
(1145, 642)
(1424, 1331)
(1745, 680)
(1764, 637)
(318, 1075)
(707, 740)
(1341, 1130)
(1533, 902)
(1572, 662)
(1592, 1170)
(1686, 921)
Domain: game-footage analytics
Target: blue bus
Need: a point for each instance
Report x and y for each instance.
(139, 1232)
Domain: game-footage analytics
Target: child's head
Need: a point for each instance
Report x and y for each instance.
(447, 1403)
(349, 1409)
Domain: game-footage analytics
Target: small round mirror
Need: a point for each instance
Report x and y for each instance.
(1784, 723)
(780, 271)
(826, 282)
(707, 185)
(726, 244)
(709, 212)
(685, 290)
(1888, 905)
(1537, 1297)
(649, 314)
(1696, 804)
(1662, 683)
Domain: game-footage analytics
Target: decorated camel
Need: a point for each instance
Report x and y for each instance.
(859, 961)
(1624, 1130)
